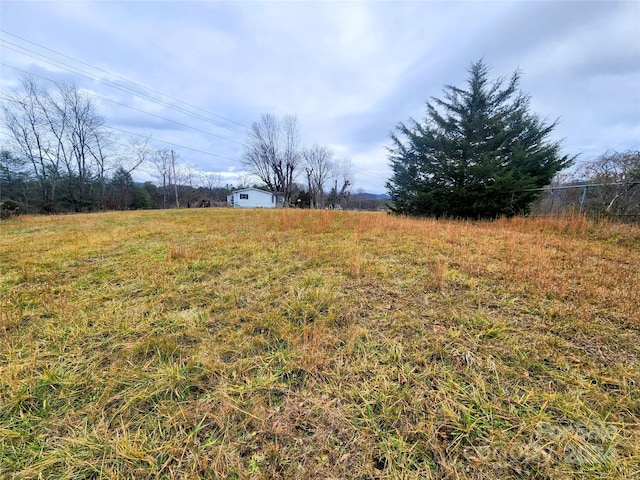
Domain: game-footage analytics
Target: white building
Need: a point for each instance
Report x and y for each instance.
(255, 198)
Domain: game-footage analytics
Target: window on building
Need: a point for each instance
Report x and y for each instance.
(244, 196)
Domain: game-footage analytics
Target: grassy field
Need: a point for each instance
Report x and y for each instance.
(218, 343)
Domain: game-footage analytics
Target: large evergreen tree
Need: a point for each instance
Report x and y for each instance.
(476, 152)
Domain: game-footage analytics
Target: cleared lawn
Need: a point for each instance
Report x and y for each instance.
(313, 344)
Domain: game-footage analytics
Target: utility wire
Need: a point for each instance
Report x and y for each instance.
(111, 84)
(122, 78)
(137, 109)
(168, 119)
(171, 143)
(72, 69)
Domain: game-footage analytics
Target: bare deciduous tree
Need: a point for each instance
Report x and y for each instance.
(272, 152)
(102, 155)
(140, 153)
(212, 183)
(243, 181)
(618, 177)
(343, 174)
(187, 178)
(61, 136)
(174, 161)
(161, 160)
(318, 166)
(24, 117)
(81, 129)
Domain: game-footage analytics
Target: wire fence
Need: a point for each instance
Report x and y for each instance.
(619, 201)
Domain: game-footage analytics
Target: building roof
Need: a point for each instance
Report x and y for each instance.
(256, 190)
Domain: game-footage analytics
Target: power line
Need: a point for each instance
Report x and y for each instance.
(137, 109)
(72, 69)
(64, 66)
(121, 78)
(168, 119)
(371, 175)
(171, 143)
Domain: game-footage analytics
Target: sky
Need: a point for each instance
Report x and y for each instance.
(194, 75)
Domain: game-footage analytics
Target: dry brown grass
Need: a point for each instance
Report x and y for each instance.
(313, 344)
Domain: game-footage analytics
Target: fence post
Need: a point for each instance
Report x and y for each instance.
(584, 194)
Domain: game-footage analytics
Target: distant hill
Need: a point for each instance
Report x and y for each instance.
(371, 196)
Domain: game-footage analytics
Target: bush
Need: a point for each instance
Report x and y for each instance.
(9, 208)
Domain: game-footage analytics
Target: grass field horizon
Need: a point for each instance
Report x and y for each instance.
(226, 343)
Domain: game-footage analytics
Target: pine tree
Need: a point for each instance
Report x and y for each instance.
(475, 150)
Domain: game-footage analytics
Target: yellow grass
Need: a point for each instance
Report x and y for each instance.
(219, 343)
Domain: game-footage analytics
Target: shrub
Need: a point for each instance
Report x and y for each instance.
(9, 208)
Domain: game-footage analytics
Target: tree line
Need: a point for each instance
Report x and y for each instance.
(63, 157)
(60, 147)
(479, 153)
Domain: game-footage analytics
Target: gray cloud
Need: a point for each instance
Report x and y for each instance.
(350, 71)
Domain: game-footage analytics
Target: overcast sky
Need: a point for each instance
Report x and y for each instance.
(350, 71)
